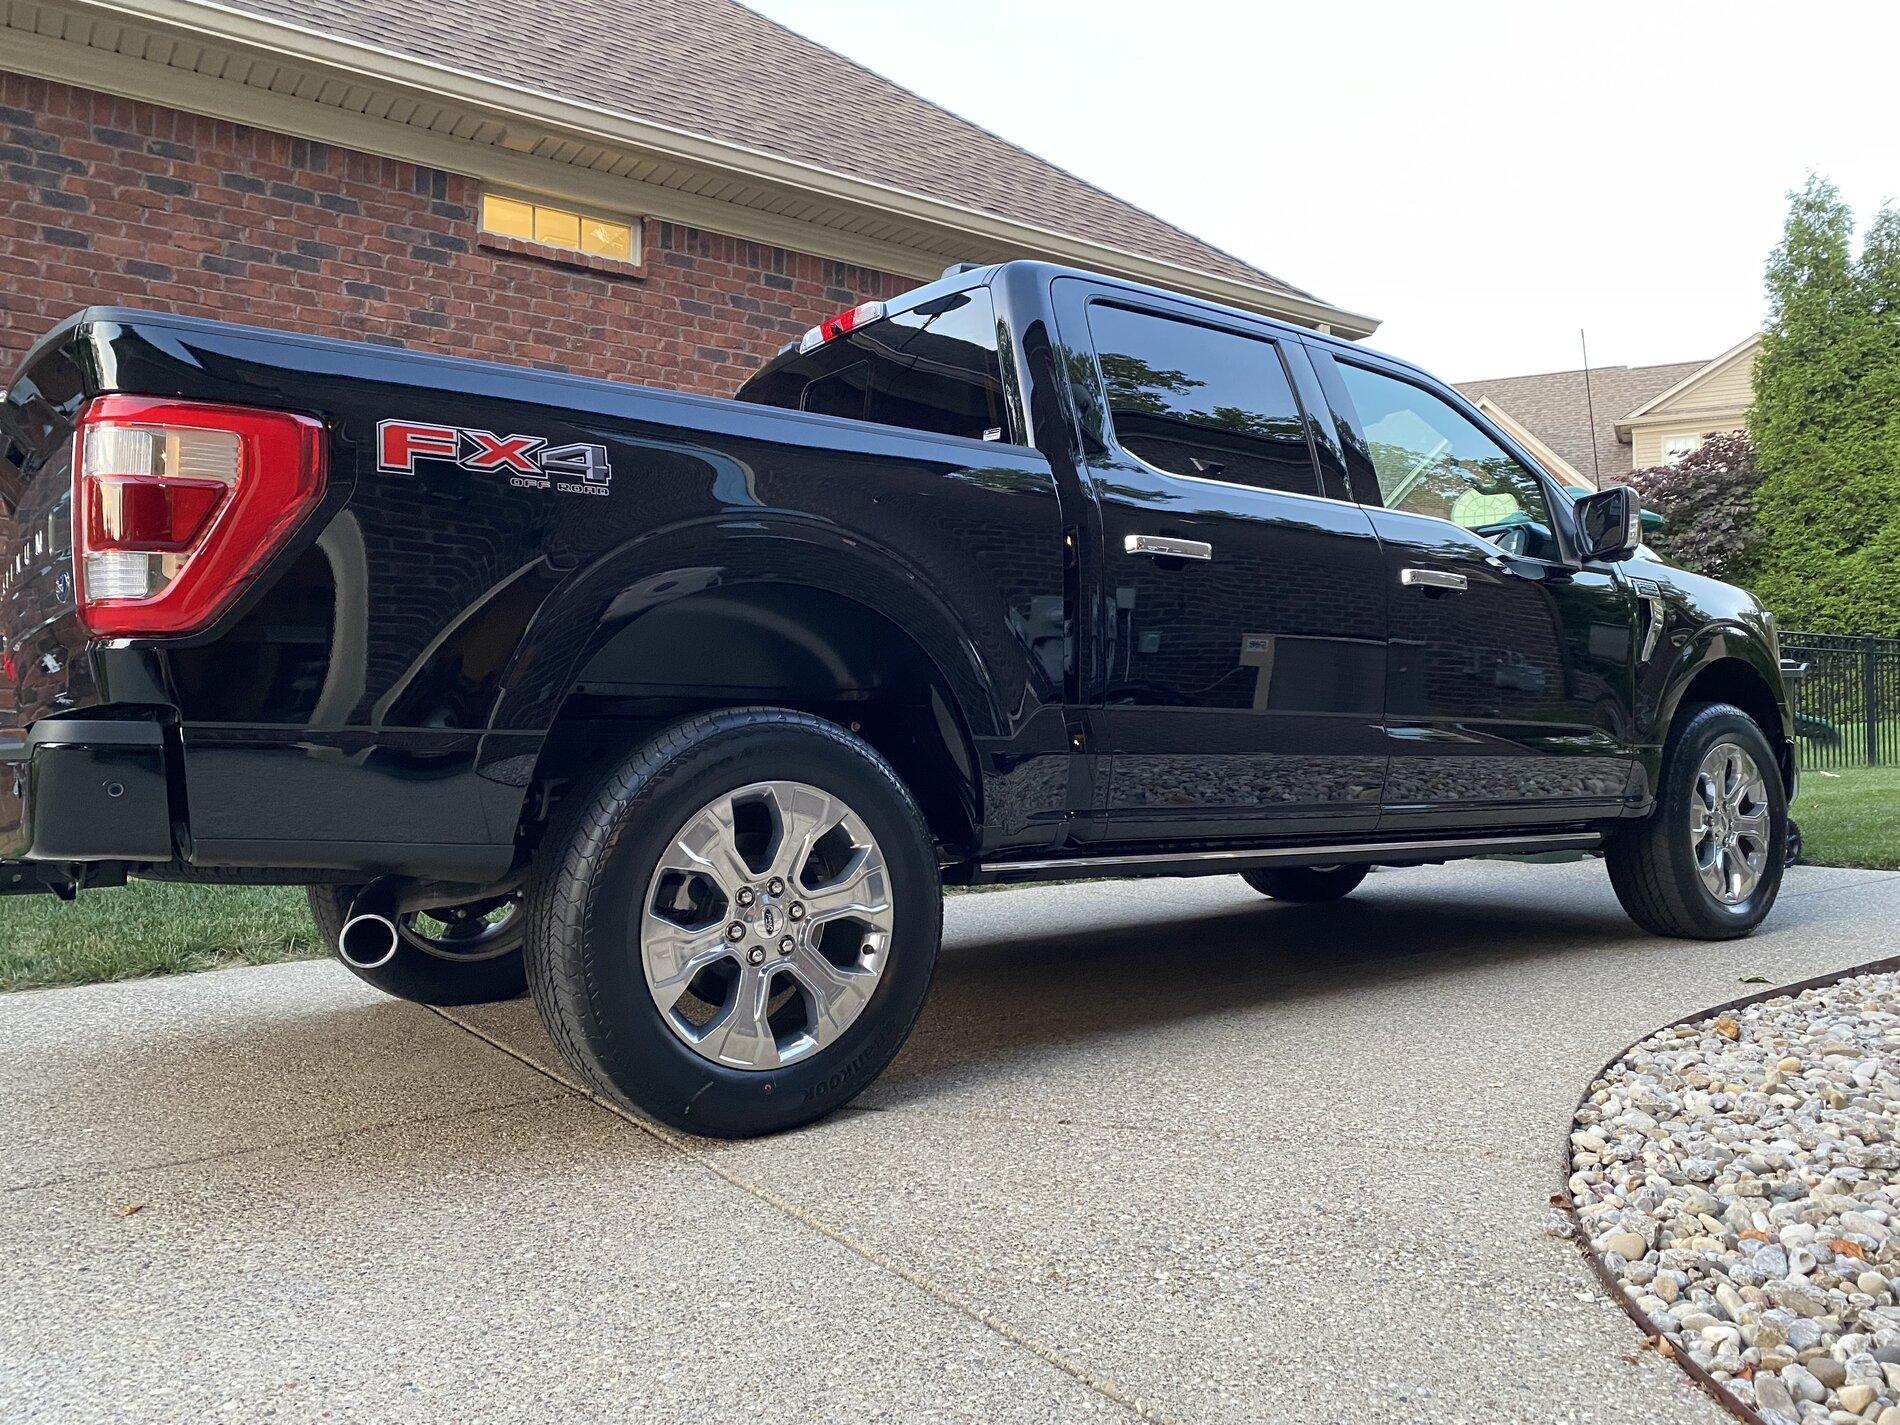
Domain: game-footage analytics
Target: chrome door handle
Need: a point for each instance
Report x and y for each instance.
(1433, 579)
(1166, 547)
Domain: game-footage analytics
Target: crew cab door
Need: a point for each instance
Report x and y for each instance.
(1239, 624)
(1509, 680)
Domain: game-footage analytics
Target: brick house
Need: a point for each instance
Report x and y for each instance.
(663, 191)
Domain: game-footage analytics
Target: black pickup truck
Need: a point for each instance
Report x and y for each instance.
(680, 711)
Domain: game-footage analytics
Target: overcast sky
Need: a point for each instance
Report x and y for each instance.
(1485, 178)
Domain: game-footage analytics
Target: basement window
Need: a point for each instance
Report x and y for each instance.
(549, 226)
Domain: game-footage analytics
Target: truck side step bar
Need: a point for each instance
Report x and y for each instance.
(1410, 852)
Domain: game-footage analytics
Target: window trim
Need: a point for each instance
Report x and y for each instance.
(1696, 442)
(1346, 414)
(1273, 341)
(634, 264)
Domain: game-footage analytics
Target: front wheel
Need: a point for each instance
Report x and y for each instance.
(734, 929)
(1706, 863)
(1306, 884)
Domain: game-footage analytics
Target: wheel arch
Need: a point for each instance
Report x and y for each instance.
(1731, 665)
(877, 657)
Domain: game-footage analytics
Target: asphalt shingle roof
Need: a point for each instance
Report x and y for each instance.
(718, 70)
(1554, 407)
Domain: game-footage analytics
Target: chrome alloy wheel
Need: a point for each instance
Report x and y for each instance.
(1729, 823)
(767, 925)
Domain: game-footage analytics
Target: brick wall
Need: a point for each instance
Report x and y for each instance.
(106, 200)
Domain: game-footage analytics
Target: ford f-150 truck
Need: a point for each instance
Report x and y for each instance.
(679, 712)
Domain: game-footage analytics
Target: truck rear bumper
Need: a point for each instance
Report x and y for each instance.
(85, 789)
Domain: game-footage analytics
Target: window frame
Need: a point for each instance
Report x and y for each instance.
(1364, 478)
(1210, 321)
(561, 252)
(1695, 444)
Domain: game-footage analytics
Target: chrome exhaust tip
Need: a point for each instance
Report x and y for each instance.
(368, 941)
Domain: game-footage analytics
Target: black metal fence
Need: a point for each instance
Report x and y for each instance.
(1847, 701)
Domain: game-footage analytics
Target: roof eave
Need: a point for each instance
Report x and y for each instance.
(221, 24)
(1701, 373)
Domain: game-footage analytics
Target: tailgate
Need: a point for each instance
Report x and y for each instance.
(43, 664)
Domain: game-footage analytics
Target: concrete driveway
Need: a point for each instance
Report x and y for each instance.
(1157, 1149)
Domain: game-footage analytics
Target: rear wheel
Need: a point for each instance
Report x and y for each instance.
(465, 954)
(734, 929)
(1306, 883)
(1706, 863)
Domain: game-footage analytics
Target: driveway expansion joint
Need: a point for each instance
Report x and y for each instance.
(98, 1172)
(1115, 1394)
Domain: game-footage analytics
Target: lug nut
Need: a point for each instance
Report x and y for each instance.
(735, 931)
(775, 886)
(756, 955)
(796, 910)
(786, 945)
(745, 896)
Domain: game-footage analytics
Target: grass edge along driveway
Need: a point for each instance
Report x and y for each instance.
(149, 928)
(1848, 818)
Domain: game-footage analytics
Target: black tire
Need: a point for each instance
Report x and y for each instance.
(420, 975)
(588, 894)
(1306, 884)
(1652, 864)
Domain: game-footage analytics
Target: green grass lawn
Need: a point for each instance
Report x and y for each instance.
(1851, 817)
(148, 928)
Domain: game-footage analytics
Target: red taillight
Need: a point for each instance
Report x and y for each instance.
(130, 513)
(177, 504)
(846, 322)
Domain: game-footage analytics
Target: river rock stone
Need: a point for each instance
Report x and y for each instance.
(1856, 1397)
(1830, 1372)
(1740, 1179)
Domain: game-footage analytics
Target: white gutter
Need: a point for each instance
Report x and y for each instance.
(208, 21)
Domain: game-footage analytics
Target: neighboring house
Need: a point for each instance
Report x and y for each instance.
(1644, 415)
(660, 190)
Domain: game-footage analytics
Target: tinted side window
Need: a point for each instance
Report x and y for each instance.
(1431, 460)
(934, 368)
(1192, 400)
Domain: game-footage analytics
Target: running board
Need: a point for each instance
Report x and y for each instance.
(1411, 852)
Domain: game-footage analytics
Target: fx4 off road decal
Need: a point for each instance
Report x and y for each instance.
(528, 461)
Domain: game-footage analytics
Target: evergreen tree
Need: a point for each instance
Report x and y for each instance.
(1827, 524)
(1879, 399)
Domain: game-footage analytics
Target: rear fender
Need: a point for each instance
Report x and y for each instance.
(598, 604)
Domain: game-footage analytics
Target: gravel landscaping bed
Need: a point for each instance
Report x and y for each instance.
(1739, 1178)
